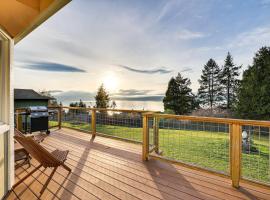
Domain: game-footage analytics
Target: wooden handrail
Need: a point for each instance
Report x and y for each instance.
(210, 119)
(171, 116)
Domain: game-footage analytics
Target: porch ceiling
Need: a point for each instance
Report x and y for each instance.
(19, 17)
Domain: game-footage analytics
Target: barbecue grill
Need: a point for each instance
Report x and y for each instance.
(37, 118)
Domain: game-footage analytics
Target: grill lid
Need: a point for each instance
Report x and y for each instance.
(38, 109)
(39, 114)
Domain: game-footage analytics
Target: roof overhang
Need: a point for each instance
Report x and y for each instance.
(20, 17)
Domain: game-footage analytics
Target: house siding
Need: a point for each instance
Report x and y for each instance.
(27, 103)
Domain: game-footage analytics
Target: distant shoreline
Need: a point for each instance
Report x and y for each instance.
(126, 104)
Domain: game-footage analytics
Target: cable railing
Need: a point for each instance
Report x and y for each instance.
(256, 153)
(238, 149)
(76, 118)
(116, 123)
(203, 144)
(124, 124)
(54, 117)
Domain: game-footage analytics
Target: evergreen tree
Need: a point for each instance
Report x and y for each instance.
(52, 100)
(210, 91)
(170, 100)
(254, 92)
(102, 98)
(179, 97)
(229, 81)
(113, 106)
(80, 104)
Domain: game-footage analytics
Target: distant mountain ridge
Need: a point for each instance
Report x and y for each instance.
(71, 96)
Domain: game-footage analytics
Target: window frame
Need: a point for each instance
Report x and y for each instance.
(6, 107)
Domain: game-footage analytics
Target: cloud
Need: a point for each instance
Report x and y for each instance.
(136, 95)
(161, 70)
(187, 69)
(259, 35)
(127, 95)
(132, 92)
(188, 35)
(265, 2)
(141, 98)
(67, 45)
(52, 67)
(166, 8)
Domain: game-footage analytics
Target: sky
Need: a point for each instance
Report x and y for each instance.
(134, 47)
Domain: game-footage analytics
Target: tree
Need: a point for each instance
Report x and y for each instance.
(113, 106)
(102, 98)
(80, 104)
(210, 91)
(229, 81)
(253, 96)
(179, 97)
(52, 100)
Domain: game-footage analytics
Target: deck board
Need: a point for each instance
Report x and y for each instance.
(106, 168)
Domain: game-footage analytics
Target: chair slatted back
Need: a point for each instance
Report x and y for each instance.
(38, 152)
(18, 133)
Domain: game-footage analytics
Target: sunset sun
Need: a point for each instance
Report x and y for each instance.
(110, 82)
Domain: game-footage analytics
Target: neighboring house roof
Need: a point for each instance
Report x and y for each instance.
(28, 94)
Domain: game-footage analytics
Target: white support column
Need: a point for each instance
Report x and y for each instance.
(6, 103)
(11, 117)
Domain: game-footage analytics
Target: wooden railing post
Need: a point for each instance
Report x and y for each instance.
(156, 134)
(60, 109)
(93, 122)
(235, 153)
(18, 119)
(145, 149)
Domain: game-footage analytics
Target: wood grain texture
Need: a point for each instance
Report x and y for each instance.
(93, 122)
(105, 168)
(235, 154)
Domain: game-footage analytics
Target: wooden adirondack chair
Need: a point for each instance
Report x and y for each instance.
(20, 153)
(45, 158)
(38, 138)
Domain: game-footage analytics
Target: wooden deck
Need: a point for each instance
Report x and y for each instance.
(111, 169)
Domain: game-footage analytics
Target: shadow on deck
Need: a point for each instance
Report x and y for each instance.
(110, 169)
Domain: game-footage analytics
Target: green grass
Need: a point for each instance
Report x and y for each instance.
(202, 148)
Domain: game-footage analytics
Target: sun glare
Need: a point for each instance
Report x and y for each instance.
(110, 82)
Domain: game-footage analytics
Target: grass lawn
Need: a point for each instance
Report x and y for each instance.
(202, 148)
